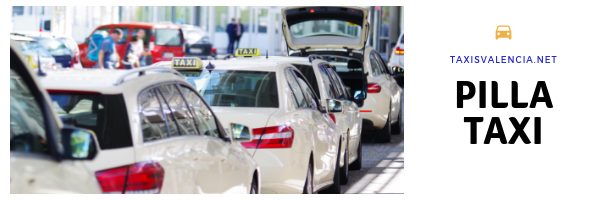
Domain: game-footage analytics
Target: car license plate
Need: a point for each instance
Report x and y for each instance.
(195, 50)
(58, 65)
(168, 55)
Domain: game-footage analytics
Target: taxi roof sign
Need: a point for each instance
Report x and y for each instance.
(186, 63)
(247, 52)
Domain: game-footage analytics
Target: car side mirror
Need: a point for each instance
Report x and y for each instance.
(359, 95)
(78, 144)
(241, 133)
(334, 105)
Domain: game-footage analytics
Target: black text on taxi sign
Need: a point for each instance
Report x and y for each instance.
(186, 63)
(247, 52)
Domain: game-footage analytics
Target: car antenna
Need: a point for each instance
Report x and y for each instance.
(267, 57)
(210, 67)
(40, 72)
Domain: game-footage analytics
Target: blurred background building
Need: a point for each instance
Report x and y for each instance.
(262, 24)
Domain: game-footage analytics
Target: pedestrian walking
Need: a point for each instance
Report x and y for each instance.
(231, 32)
(131, 60)
(239, 30)
(107, 56)
(139, 50)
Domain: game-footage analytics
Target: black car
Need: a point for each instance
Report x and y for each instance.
(197, 43)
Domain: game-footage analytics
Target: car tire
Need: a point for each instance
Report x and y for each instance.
(357, 164)
(397, 127)
(308, 185)
(335, 187)
(344, 173)
(384, 135)
(254, 187)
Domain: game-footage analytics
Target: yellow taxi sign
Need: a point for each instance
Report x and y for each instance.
(186, 63)
(352, 24)
(247, 52)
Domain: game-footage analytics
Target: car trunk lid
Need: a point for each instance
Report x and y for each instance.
(325, 27)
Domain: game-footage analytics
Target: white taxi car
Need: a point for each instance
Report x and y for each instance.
(44, 156)
(155, 132)
(329, 88)
(340, 34)
(296, 143)
(397, 57)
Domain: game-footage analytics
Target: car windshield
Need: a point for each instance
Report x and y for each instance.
(325, 27)
(503, 28)
(168, 37)
(104, 114)
(34, 48)
(55, 47)
(70, 43)
(233, 88)
(194, 36)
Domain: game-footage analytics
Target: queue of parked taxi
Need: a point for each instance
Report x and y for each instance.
(247, 124)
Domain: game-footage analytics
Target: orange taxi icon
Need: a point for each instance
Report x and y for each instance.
(503, 31)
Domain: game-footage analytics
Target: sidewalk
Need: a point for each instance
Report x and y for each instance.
(386, 177)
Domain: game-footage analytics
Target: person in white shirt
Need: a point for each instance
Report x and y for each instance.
(138, 49)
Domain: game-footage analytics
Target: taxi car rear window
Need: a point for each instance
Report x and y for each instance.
(233, 88)
(104, 114)
(309, 73)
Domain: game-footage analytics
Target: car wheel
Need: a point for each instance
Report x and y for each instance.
(335, 187)
(308, 185)
(396, 128)
(254, 187)
(344, 172)
(357, 164)
(384, 135)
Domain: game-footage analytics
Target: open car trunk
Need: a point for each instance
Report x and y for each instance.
(341, 27)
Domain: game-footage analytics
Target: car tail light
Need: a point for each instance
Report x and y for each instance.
(139, 178)
(213, 50)
(373, 88)
(399, 51)
(365, 111)
(271, 137)
(332, 117)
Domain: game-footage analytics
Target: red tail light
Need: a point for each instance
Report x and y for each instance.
(332, 117)
(399, 51)
(213, 50)
(373, 88)
(142, 178)
(271, 137)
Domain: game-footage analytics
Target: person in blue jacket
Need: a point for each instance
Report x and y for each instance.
(231, 32)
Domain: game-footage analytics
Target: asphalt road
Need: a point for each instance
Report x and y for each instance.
(373, 153)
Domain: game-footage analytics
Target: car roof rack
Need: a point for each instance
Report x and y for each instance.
(142, 71)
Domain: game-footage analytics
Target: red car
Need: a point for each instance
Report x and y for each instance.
(164, 41)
